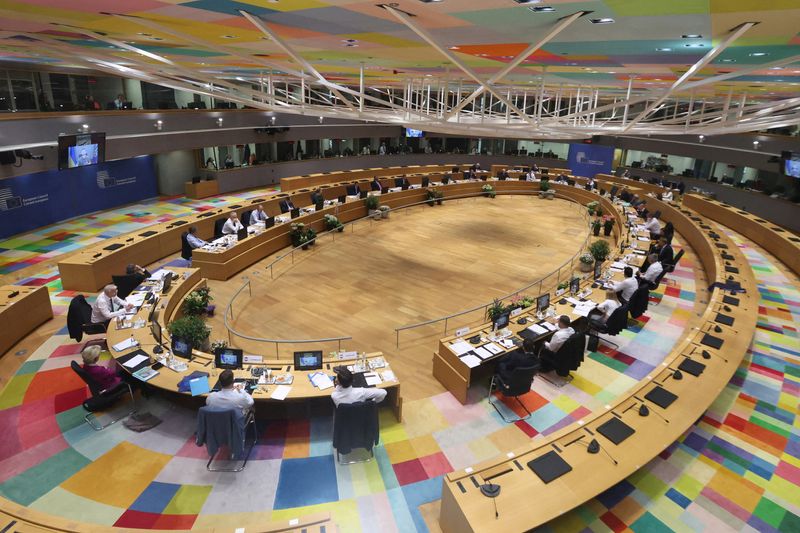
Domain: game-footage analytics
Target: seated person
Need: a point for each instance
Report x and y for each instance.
(562, 178)
(667, 195)
(503, 174)
(258, 215)
(286, 205)
(531, 175)
(193, 240)
(626, 174)
(625, 288)
(104, 375)
(135, 271)
(401, 182)
(654, 269)
(591, 183)
(534, 168)
(353, 189)
(475, 168)
(552, 346)
(626, 196)
(230, 395)
(665, 254)
(317, 198)
(108, 306)
(346, 393)
(526, 356)
(469, 174)
(652, 225)
(232, 225)
(375, 185)
(600, 315)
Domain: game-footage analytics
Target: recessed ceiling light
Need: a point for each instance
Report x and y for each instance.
(604, 20)
(542, 9)
(694, 45)
(758, 54)
(144, 34)
(351, 45)
(528, 1)
(663, 49)
(229, 36)
(692, 36)
(776, 68)
(454, 48)
(349, 41)
(728, 60)
(430, 1)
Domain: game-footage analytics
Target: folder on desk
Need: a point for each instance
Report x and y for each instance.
(483, 353)
(712, 341)
(724, 319)
(661, 397)
(730, 300)
(199, 386)
(549, 466)
(692, 367)
(615, 430)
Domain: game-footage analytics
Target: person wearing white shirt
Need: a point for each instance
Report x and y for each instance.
(560, 337)
(108, 305)
(230, 396)
(232, 225)
(193, 240)
(258, 215)
(346, 393)
(653, 271)
(625, 288)
(531, 176)
(667, 195)
(652, 226)
(605, 309)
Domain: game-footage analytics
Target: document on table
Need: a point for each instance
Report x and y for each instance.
(321, 380)
(548, 325)
(471, 360)
(507, 343)
(137, 299)
(492, 347)
(124, 345)
(618, 264)
(584, 309)
(461, 347)
(158, 276)
(280, 392)
(372, 378)
(134, 361)
(573, 301)
(646, 239)
(483, 353)
(536, 328)
(388, 375)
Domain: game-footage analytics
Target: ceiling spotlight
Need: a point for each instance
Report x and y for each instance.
(694, 45)
(430, 1)
(755, 145)
(776, 68)
(159, 124)
(701, 138)
(663, 49)
(85, 128)
(219, 122)
(604, 20)
(758, 54)
(727, 60)
(454, 48)
(528, 2)
(542, 9)
(272, 120)
(692, 36)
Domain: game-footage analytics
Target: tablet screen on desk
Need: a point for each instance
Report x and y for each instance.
(310, 360)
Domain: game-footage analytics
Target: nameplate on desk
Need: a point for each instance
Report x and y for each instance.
(250, 359)
(559, 292)
(463, 331)
(515, 312)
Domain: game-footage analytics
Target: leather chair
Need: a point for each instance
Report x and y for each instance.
(218, 227)
(102, 399)
(186, 249)
(519, 384)
(617, 322)
(246, 218)
(125, 284)
(637, 306)
(568, 358)
(79, 322)
(355, 425)
(217, 427)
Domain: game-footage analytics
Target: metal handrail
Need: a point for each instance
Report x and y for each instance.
(332, 232)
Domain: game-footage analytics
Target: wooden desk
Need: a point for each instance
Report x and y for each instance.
(167, 380)
(465, 509)
(552, 172)
(202, 189)
(328, 178)
(22, 313)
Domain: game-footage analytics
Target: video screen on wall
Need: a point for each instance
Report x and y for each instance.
(791, 164)
(81, 150)
(410, 132)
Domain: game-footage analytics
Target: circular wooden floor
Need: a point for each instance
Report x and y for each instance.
(419, 264)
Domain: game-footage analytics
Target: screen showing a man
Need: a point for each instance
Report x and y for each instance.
(82, 155)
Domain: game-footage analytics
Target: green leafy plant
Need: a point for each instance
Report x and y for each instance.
(592, 207)
(586, 258)
(331, 223)
(544, 186)
(521, 302)
(495, 310)
(596, 227)
(311, 236)
(372, 202)
(190, 328)
(562, 285)
(599, 250)
(298, 234)
(196, 302)
(599, 211)
(489, 191)
(434, 195)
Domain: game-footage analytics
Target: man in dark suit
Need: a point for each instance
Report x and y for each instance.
(517, 359)
(375, 185)
(353, 189)
(317, 198)
(286, 205)
(666, 256)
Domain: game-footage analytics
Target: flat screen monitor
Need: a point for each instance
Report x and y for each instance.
(81, 150)
(398, 182)
(269, 222)
(295, 212)
(342, 199)
(241, 234)
(426, 182)
(791, 164)
(309, 360)
(228, 358)
(320, 204)
(153, 310)
(155, 329)
(598, 269)
(501, 321)
(575, 286)
(364, 194)
(182, 348)
(543, 302)
(167, 284)
(411, 132)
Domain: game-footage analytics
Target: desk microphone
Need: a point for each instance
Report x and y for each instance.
(707, 355)
(594, 447)
(491, 490)
(645, 411)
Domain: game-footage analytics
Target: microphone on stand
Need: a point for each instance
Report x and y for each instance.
(491, 490)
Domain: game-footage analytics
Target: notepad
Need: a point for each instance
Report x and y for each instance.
(135, 361)
(124, 345)
(692, 367)
(145, 374)
(537, 329)
(461, 347)
(483, 353)
(615, 430)
(493, 348)
(372, 379)
(280, 392)
(471, 360)
(549, 466)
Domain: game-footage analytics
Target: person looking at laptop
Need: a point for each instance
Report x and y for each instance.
(346, 393)
(230, 395)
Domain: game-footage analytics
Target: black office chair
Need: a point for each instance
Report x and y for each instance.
(186, 249)
(125, 284)
(568, 358)
(519, 384)
(637, 306)
(79, 322)
(218, 427)
(353, 190)
(355, 425)
(425, 182)
(617, 322)
(102, 399)
(245, 218)
(218, 228)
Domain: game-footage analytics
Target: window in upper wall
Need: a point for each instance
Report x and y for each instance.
(24, 97)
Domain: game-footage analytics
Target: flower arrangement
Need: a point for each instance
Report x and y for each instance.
(219, 344)
(489, 191)
(196, 302)
(592, 207)
(608, 224)
(331, 223)
(521, 302)
(586, 258)
(495, 310)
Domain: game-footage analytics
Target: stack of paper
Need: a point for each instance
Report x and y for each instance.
(461, 347)
(134, 361)
(124, 345)
(372, 378)
(548, 325)
(280, 392)
(492, 347)
(136, 299)
(321, 380)
(471, 360)
(584, 308)
(536, 328)
(483, 353)
(388, 375)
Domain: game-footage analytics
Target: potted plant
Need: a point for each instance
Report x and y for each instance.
(311, 236)
(192, 329)
(430, 197)
(372, 202)
(384, 209)
(592, 206)
(196, 302)
(297, 234)
(598, 211)
(331, 223)
(439, 197)
(586, 261)
(488, 190)
(219, 344)
(596, 227)
(521, 302)
(495, 310)
(545, 191)
(599, 250)
(608, 225)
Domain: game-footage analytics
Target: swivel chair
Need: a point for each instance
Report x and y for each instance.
(355, 425)
(519, 384)
(102, 398)
(217, 427)
(79, 322)
(617, 322)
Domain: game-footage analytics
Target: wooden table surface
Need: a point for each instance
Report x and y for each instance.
(22, 313)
